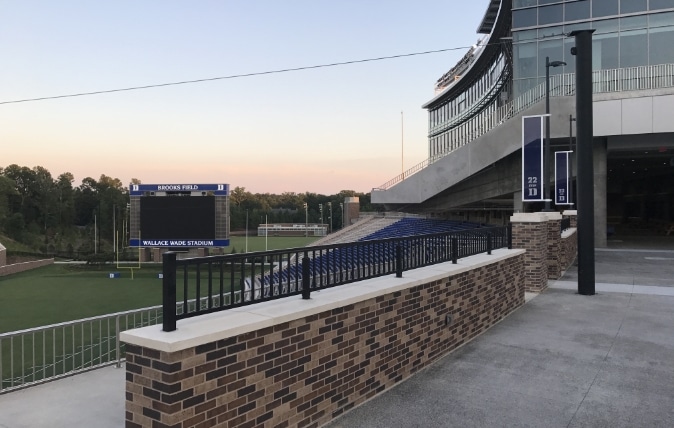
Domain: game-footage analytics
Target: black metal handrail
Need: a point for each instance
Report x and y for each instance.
(216, 283)
(566, 224)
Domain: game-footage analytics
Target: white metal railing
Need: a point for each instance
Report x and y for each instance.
(41, 354)
(36, 355)
(603, 81)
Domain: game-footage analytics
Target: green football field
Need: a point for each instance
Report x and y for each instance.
(62, 292)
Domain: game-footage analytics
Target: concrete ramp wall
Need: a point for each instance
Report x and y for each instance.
(475, 156)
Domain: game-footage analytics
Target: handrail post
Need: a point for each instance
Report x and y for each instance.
(119, 357)
(489, 243)
(399, 261)
(455, 249)
(306, 280)
(169, 291)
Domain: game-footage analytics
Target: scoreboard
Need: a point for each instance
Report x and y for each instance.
(179, 216)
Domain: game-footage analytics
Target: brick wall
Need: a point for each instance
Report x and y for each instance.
(569, 248)
(306, 371)
(21, 267)
(554, 245)
(530, 232)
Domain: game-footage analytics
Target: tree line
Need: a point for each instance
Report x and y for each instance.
(55, 215)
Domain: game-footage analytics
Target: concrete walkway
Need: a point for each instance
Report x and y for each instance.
(562, 360)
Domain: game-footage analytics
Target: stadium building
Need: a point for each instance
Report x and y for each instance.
(474, 168)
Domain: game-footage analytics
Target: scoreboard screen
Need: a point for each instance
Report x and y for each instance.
(177, 217)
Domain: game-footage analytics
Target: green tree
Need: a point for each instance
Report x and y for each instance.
(66, 200)
(7, 190)
(24, 178)
(238, 195)
(15, 226)
(45, 198)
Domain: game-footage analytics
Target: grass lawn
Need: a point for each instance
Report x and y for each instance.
(60, 293)
(66, 292)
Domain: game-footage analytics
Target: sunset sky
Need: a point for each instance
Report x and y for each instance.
(321, 130)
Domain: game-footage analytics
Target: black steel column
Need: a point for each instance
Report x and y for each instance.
(585, 172)
(306, 277)
(169, 291)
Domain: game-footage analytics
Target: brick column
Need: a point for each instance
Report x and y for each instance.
(570, 241)
(573, 215)
(156, 254)
(554, 244)
(530, 232)
(145, 254)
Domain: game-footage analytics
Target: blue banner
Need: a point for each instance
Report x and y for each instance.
(532, 158)
(141, 189)
(562, 178)
(179, 243)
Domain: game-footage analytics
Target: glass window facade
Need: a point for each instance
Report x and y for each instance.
(459, 118)
(628, 33)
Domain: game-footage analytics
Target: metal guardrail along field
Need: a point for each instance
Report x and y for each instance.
(211, 284)
(32, 356)
(208, 284)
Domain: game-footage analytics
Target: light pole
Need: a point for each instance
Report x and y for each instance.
(306, 220)
(330, 206)
(546, 161)
(246, 230)
(341, 206)
(320, 208)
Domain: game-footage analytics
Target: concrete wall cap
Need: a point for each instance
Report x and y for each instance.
(212, 327)
(569, 232)
(553, 215)
(570, 212)
(528, 218)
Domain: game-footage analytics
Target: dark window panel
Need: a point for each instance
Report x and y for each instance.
(632, 48)
(550, 14)
(634, 22)
(605, 52)
(524, 18)
(524, 56)
(569, 59)
(519, 36)
(604, 8)
(577, 10)
(661, 19)
(553, 49)
(523, 3)
(631, 6)
(660, 45)
(661, 4)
